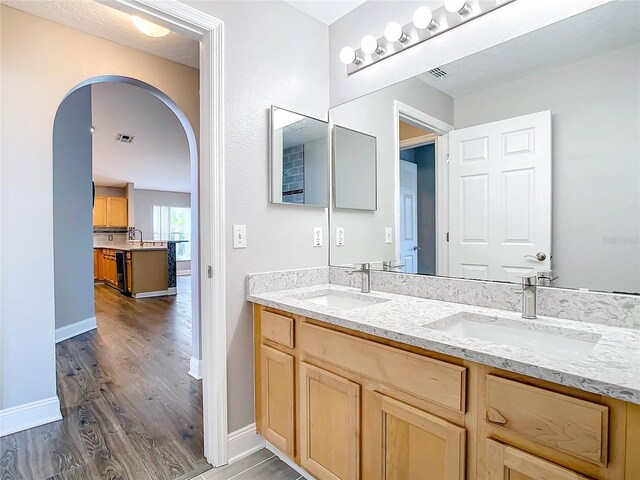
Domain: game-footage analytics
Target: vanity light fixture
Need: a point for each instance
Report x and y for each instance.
(148, 28)
(426, 24)
(393, 33)
(369, 45)
(456, 6)
(423, 18)
(348, 55)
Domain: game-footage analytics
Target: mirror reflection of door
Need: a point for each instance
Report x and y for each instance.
(500, 199)
(417, 202)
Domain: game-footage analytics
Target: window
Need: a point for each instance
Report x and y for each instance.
(173, 223)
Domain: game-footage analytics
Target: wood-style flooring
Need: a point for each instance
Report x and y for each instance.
(262, 465)
(130, 410)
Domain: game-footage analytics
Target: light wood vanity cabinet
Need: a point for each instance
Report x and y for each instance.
(346, 405)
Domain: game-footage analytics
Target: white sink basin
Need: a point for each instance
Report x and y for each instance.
(339, 300)
(564, 343)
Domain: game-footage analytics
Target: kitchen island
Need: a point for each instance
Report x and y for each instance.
(139, 270)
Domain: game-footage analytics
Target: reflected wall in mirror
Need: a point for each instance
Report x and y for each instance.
(299, 159)
(523, 159)
(354, 169)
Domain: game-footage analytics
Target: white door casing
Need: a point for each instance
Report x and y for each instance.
(500, 198)
(409, 216)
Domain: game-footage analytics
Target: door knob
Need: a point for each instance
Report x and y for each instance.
(540, 256)
(416, 247)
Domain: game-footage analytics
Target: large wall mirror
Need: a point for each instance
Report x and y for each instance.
(299, 159)
(521, 159)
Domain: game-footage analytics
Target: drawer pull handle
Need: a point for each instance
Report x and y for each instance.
(495, 417)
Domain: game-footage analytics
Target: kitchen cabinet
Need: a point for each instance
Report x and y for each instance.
(348, 405)
(110, 268)
(98, 264)
(110, 212)
(100, 212)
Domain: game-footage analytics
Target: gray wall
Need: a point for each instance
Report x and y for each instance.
(316, 181)
(278, 71)
(72, 210)
(144, 200)
(596, 168)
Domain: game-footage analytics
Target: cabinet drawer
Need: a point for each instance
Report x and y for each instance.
(277, 328)
(434, 380)
(575, 426)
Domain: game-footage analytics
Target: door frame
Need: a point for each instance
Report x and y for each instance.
(413, 116)
(209, 31)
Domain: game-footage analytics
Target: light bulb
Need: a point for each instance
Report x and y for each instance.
(149, 28)
(393, 33)
(347, 55)
(370, 45)
(456, 6)
(423, 18)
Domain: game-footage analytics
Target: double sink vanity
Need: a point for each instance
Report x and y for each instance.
(390, 385)
(499, 335)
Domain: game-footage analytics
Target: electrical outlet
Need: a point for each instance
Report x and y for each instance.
(239, 236)
(317, 236)
(339, 236)
(388, 235)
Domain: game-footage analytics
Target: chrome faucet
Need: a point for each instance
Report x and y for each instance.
(365, 272)
(132, 235)
(529, 292)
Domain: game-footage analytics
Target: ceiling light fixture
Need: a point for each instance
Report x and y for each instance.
(423, 18)
(456, 6)
(148, 28)
(393, 33)
(424, 25)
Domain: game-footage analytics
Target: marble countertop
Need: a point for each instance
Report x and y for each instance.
(611, 368)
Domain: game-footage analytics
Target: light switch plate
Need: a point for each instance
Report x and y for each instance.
(339, 236)
(239, 236)
(388, 235)
(317, 236)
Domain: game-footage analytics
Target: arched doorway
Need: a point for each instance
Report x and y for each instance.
(72, 214)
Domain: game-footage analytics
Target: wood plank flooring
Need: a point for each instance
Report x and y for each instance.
(262, 465)
(130, 410)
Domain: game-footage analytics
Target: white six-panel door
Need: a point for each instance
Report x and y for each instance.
(500, 198)
(409, 216)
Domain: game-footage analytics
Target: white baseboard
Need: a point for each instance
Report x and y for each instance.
(289, 462)
(29, 415)
(195, 368)
(244, 442)
(74, 329)
(183, 273)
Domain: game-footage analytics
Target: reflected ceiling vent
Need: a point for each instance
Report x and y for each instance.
(124, 138)
(438, 73)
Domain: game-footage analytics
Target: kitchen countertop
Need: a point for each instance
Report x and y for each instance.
(128, 248)
(611, 368)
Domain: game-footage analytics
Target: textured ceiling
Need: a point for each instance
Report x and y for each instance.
(597, 31)
(327, 11)
(111, 24)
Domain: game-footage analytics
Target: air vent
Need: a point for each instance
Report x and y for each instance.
(124, 138)
(438, 73)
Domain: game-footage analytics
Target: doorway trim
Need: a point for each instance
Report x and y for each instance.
(413, 116)
(209, 31)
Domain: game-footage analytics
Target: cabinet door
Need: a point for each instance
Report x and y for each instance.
(95, 265)
(277, 401)
(100, 212)
(117, 212)
(508, 463)
(129, 275)
(329, 424)
(404, 442)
